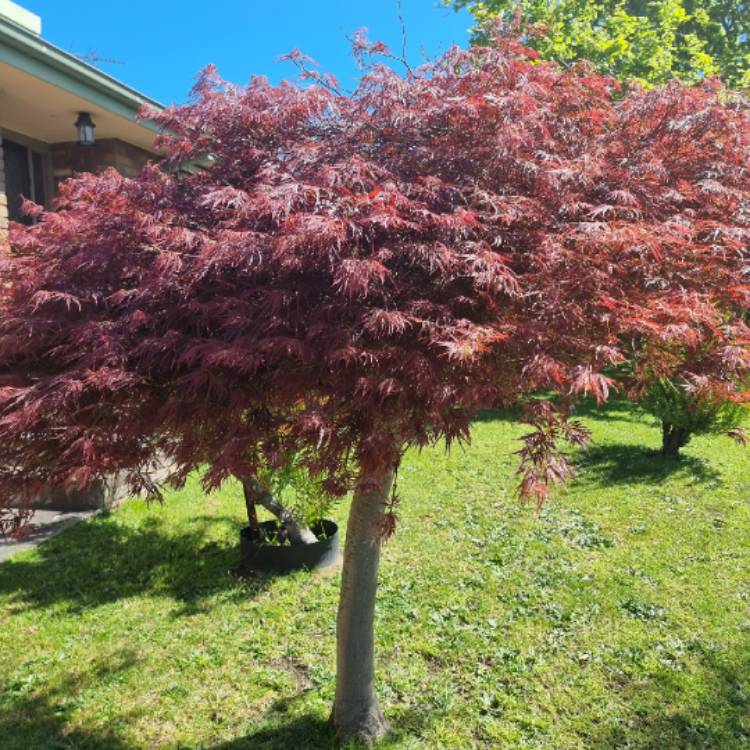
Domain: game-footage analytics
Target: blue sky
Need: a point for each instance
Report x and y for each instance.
(162, 45)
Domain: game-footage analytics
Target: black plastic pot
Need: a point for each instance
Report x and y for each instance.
(273, 558)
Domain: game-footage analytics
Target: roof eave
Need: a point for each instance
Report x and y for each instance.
(26, 51)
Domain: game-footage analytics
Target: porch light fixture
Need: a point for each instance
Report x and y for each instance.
(85, 126)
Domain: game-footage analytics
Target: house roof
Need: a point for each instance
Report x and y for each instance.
(42, 87)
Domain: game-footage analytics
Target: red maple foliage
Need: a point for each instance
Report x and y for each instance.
(360, 272)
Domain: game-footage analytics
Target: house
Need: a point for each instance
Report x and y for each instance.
(59, 115)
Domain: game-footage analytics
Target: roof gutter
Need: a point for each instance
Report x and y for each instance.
(24, 50)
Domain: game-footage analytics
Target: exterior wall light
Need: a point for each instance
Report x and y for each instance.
(85, 126)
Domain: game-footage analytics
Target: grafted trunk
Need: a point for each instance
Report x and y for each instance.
(356, 713)
(672, 439)
(257, 494)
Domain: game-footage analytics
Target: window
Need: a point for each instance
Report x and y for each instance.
(24, 178)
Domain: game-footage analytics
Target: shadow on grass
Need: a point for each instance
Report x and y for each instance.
(621, 463)
(100, 561)
(312, 732)
(512, 414)
(35, 719)
(308, 731)
(617, 409)
(713, 713)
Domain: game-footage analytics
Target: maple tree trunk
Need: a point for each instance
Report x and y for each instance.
(672, 439)
(252, 512)
(257, 494)
(356, 713)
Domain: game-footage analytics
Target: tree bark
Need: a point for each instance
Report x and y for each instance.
(260, 495)
(252, 512)
(356, 713)
(672, 439)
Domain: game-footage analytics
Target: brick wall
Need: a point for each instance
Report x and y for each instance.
(68, 158)
(3, 199)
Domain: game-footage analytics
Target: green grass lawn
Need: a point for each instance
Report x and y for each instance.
(617, 617)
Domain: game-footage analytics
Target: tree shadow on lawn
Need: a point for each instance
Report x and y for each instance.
(310, 731)
(615, 409)
(39, 719)
(620, 463)
(101, 561)
(658, 713)
(511, 414)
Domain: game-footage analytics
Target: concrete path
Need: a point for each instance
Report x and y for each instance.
(46, 523)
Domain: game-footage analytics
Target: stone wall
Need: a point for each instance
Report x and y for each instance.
(68, 158)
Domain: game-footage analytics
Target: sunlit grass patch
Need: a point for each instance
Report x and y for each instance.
(618, 616)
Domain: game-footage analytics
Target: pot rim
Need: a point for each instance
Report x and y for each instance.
(329, 525)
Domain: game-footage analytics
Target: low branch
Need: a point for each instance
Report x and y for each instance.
(298, 533)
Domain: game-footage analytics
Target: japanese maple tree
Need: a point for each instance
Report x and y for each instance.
(645, 43)
(358, 273)
(668, 385)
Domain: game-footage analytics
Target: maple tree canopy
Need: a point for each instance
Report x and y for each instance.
(358, 272)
